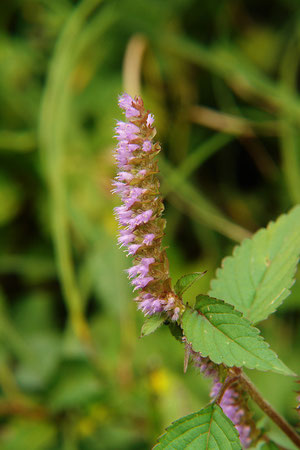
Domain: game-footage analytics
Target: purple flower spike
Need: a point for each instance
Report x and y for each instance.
(140, 215)
(235, 407)
(234, 399)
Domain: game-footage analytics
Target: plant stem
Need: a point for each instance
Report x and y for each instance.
(228, 382)
(268, 409)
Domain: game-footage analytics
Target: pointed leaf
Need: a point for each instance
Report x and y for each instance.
(186, 281)
(257, 278)
(206, 429)
(218, 331)
(176, 331)
(151, 324)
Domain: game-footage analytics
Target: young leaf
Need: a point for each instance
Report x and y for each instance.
(218, 331)
(206, 429)
(176, 331)
(186, 281)
(151, 324)
(257, 278)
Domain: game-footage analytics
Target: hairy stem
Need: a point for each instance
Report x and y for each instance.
(268, 409)
(228, 382)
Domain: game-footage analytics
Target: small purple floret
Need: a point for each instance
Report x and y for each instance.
(126, 238)
(147, 146)
(150, 305)
(143, 217)
(125, 101)
(140, 282)
(133, 248)
(124, 176)
(234, 411)
(150, 120)
(142, 173)
(148, 239)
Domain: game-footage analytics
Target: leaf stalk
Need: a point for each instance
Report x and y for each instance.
(268, 409)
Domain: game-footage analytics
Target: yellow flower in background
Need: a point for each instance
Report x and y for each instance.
(160, 381)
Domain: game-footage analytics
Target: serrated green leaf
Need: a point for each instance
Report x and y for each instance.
(218, 331)
(75, 387)
(207, 429)
(151, 324)
(257, 278)
(183, 283)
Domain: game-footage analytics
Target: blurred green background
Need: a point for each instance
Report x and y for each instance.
(221, 78)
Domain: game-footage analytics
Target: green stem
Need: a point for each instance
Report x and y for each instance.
(227, 383)
(269, 410)
(290, 158)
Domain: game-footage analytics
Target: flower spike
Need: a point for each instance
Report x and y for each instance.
(140, 214)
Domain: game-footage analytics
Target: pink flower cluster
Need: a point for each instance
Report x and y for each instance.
(232, 403)
(139, 217)
(235, 410)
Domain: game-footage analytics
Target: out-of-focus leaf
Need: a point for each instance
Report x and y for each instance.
(257, 278)
(280, 439)
(46, 348)
(261, 45)
(268, 446)
(31, 267)
(10, 200)
(25, 434)
(114, 436)
(34, 313)
(104, 270)
(76, 386)
(193, 200)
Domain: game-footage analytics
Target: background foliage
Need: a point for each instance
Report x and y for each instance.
(221, 78)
